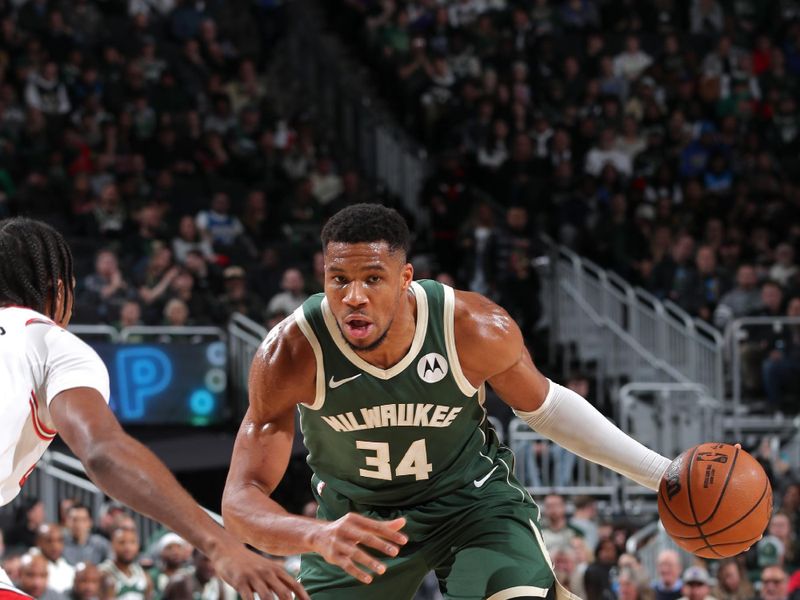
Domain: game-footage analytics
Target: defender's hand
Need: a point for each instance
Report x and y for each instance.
(252, 574)
(338, 543)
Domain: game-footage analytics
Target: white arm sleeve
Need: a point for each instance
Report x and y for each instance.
(70, 362)
(570, 421)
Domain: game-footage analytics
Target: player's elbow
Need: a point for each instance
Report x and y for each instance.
(232, 510)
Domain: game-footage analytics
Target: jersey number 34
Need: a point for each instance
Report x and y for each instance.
(415, 462)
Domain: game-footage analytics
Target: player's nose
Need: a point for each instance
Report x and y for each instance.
(355, 295)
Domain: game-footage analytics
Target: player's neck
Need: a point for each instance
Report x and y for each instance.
(399, 337)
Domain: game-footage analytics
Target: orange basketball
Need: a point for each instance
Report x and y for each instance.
(715, 500)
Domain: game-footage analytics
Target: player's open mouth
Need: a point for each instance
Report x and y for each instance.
(358, 328)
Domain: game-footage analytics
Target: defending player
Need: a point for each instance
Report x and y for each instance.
(53, 383)
(389, 375)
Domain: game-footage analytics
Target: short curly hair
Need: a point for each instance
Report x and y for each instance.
(368, 223)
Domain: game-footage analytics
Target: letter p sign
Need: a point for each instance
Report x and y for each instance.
(142, 372)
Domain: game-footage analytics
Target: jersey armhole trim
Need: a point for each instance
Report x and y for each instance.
(450, 342)
(305, 327)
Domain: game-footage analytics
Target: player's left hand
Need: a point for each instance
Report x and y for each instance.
(251, 574)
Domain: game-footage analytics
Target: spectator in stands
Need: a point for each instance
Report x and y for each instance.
(112, 516)
(200, 305)
(28, 517)
(517, 280)
(176, 314)
(780, 527)
(12, 565)
(80, 544)
(237, 298)
(87, 582)
(696, 584)
(130, 315)
(732, 582)
(632, 586)
(46, 93)
(218, 225)
(557, 532)
(699, 290)
(265, 278)
(293, 294)
(631, 62)
(200, 582)
(189, 239)
(774, 584)
(106, 288)
(2, 545)
(779, 369)
(668, 585)
(122, 576)
(50, 543)
(741, 300)
(173, 552)
(784, 269)
(760, 339)
(33, 578)
(565, 569)
(584, 517)
(158, 274)
(597, 579)
(605, 153)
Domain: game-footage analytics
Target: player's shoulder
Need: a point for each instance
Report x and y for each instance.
(487, 339)
(478, 318)
(21, 317)
(286, 350)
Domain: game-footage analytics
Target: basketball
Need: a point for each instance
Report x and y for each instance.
(715, 500)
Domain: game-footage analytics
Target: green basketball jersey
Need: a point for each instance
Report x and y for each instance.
(399, 436)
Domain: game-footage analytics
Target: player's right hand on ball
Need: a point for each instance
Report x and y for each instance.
(338, 542)
(251, 574)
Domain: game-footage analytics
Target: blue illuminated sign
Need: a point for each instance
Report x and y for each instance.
(166, 384)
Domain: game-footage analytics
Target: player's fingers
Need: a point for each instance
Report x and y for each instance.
(262, 589)
(372, 563)
(380, 544)
(349, 567)
(294, 585)
(245, 592)
(389, 530)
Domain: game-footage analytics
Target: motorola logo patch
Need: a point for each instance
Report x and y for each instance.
(432, 367)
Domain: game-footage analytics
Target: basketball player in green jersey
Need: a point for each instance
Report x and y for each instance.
(389, 374)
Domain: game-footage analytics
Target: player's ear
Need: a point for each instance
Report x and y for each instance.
(407, 275)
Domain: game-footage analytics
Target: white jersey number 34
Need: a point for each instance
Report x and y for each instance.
(415, 462)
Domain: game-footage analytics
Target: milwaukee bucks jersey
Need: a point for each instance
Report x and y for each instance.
(398, 436)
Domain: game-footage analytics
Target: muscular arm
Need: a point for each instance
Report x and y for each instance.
(491, 348)
(128, 471)
(283, 373)
(125, 469)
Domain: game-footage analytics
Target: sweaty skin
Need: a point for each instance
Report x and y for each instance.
(367, 287)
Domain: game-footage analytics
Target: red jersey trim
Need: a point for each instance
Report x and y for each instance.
(38, 321)
(42, 432)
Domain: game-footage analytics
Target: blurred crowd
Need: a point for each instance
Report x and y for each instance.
(148, 132)
(659, 138)
(79, 558)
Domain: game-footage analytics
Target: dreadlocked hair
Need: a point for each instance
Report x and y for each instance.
(33, 258)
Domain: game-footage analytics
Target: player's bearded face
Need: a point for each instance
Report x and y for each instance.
(364, 285)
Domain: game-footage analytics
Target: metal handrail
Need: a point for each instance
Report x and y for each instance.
(182, 331)
(649, 333)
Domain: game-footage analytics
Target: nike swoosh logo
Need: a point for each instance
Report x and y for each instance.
(479, 482)
(334, 384)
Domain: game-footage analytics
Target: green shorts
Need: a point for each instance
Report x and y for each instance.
(483, 542)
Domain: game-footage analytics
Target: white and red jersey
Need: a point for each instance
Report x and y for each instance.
(38, 359)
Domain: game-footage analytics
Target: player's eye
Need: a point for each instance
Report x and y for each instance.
(339, 279)
(373, 279)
